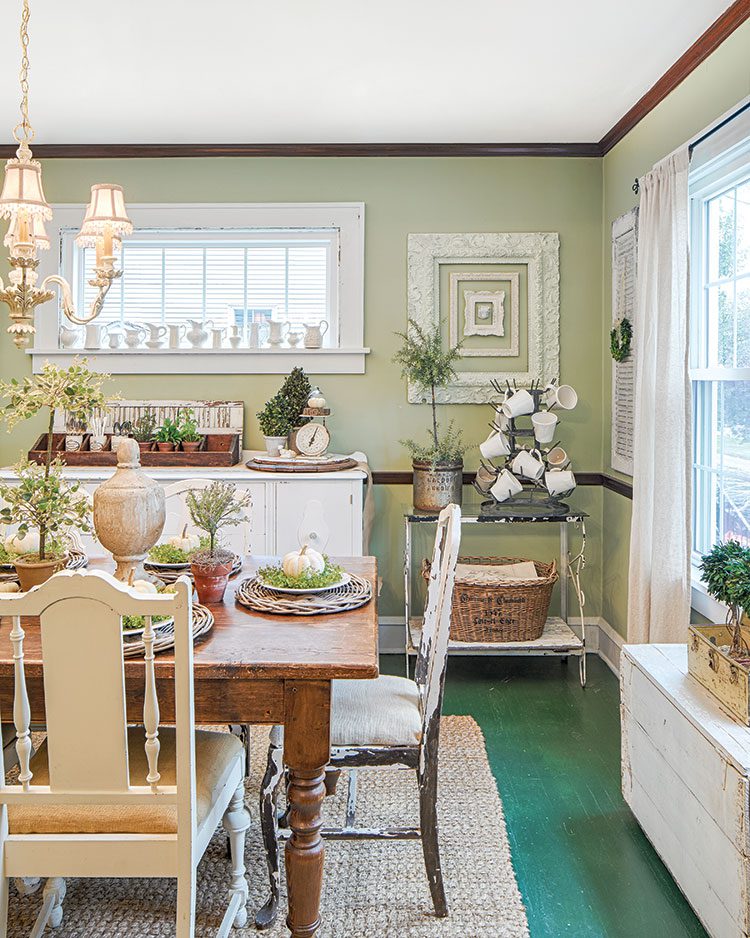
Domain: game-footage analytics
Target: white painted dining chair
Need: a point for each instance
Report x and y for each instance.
(178, 515)
(389, 722)
(101, 798)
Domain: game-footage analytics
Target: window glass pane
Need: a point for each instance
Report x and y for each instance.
(742, 336)
(721, 236)
(721, 325)
(743, 229)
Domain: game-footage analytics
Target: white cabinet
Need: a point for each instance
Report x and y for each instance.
(323, 509)
(686, 778)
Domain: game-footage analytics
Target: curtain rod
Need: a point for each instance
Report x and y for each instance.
(720, 122)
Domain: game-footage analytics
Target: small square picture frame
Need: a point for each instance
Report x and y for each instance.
(510, 316)
(484, 312)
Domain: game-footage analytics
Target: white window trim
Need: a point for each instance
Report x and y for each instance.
(347, 358)
(721, 166)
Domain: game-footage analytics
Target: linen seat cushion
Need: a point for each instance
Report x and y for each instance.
(382, 712)
(216, 754)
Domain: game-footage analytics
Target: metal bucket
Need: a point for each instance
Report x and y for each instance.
(437, 486)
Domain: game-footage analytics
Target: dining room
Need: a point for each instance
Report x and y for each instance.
(374, 499)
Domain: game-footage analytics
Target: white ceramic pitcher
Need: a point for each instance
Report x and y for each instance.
(276, 332)
(314, 334)
(176, 334)
(197, 334)
(95, 334)
(68, 337)
(253, 335)
(156, 335)
(134, 335)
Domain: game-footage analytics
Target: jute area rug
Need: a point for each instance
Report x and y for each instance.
(371, 888)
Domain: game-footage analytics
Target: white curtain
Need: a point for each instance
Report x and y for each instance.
(660, 534)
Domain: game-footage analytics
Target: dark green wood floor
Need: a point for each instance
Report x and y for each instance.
(583, 865)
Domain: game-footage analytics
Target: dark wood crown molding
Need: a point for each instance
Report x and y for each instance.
(167, 150)
(701, 49)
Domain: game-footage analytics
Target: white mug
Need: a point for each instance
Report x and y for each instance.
(529, 464)
(518, 403)
(544, 426)
(557, 458)
(499, 421)
(506, 486)
(559, 481)
(485, 479)
(95, 335)
(176, 334)
(496, 444)
(562, 395)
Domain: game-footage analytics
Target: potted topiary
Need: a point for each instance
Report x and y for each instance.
(725, 571)
(42, 499)
(168, 436)
(43, 502)
(215, 507)
(190, 438)
(275, 424)
(144, 430)
(437, 464)
(283, 413)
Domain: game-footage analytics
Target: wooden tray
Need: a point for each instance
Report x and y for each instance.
(217, 449)
(298, 465)
(724, 677)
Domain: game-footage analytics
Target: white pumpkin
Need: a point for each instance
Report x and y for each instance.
(184, 541)
(144, 586)
(29, 544)
(10, 587)
(304, 561)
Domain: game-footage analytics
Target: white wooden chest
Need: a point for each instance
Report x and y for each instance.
(685, 768)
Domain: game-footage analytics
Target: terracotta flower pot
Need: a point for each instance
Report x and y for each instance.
(145, 447)
(165, 447)
(33, 572)
(211, 580)
(190, 446)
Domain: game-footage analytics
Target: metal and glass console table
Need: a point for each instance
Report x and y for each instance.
(560, 637)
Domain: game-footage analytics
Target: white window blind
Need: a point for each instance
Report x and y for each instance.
(207, 277)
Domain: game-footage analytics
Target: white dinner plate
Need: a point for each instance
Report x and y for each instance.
(182, 565)
(297, 591)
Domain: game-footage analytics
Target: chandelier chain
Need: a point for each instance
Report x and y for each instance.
(23, 131)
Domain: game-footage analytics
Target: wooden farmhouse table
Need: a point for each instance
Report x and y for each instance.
(255, 668)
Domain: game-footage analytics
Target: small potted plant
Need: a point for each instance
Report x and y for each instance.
(144, 430)
(437, 464)
(168, 436)
(275, 424)
(43, 502)
(215, 507)
(725, 570)
(189, 435)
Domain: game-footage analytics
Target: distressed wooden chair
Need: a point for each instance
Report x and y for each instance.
(387, 722)
(100, 798)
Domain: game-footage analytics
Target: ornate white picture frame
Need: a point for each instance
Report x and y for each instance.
(455, 333)
(484, 312)
(539, 252)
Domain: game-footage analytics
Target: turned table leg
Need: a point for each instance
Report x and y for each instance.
(307, 749)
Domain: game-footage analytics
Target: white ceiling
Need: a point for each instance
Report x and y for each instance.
(345, 71)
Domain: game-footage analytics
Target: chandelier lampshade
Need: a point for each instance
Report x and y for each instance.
(105, 214)
(35, 233)
(22, 190)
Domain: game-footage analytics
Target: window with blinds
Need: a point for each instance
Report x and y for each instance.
(220, 278)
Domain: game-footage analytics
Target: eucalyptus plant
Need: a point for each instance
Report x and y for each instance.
(725, 570)
(215, 507)
(426, 364)
(43, 499)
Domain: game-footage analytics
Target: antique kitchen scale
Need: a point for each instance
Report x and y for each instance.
(308, 445)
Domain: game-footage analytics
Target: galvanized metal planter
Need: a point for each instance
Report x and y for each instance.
(435, 487)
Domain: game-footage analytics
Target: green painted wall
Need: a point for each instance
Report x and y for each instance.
(713, 88)
(401, 196)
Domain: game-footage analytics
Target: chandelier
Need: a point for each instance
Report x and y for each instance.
(22, 201)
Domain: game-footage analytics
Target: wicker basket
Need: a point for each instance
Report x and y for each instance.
(506, 611)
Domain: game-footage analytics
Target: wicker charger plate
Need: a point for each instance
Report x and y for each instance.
(203, 622)
(77, 559)
(253, 594)
(172, 574)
